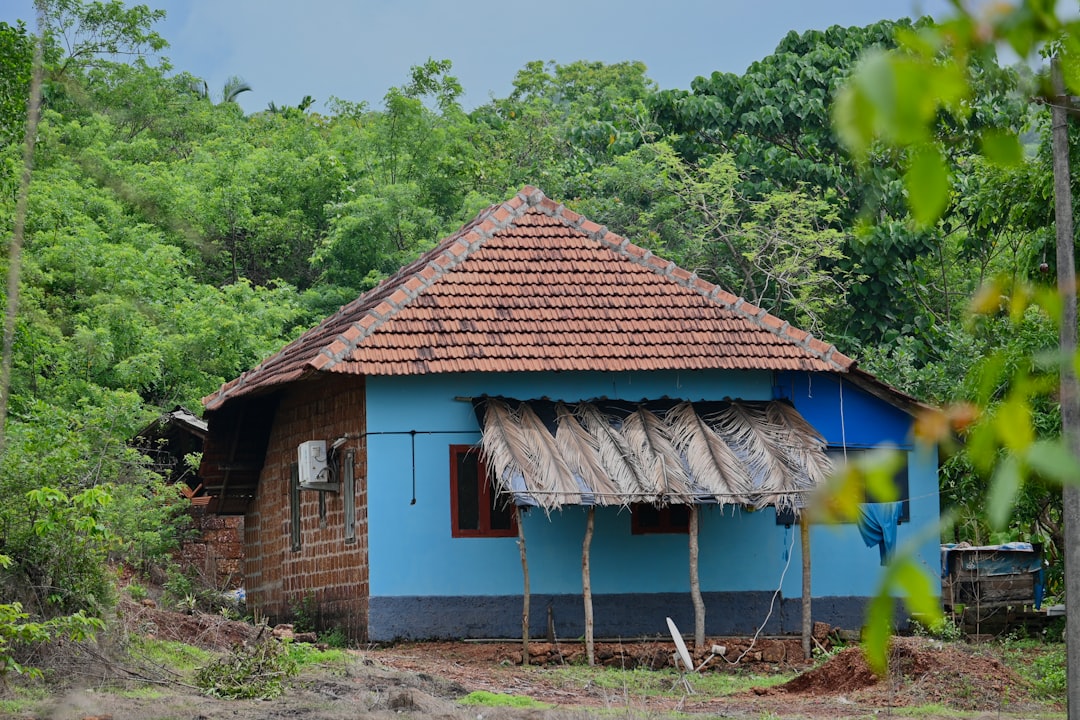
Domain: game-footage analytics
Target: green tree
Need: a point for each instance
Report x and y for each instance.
(561, 121)
(234, 87)
(16, 56)
(775, 120)
(778, 250)
(408, 172)
(896, 100)
(91, 34)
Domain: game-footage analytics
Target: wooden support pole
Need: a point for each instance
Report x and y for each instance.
(807, 617)
(22, 204)
(695, 584)
(586, 586)
(525, 599)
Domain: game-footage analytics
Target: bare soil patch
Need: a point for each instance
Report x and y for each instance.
(922, 672)
(428, 680)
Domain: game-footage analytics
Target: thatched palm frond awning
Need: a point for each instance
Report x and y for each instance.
(551, 454)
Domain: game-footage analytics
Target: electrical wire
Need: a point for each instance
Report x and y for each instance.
(772, 606)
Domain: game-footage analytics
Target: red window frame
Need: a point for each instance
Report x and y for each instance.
(648, 519)
(478, 486)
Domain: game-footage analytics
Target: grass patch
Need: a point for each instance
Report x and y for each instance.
(1041, 664)
(145, 692)
(176, 656)
(641, 682)
(15, 708)
(24, 702)
(490, 699)
(306, 655)
(934, 710)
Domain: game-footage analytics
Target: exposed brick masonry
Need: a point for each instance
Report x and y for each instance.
(216, 552)
(333, 573)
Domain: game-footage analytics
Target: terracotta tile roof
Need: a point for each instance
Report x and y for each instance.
(530, 285)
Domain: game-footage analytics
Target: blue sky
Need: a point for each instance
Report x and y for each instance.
(357, 49)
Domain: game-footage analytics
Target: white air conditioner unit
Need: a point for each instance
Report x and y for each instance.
(313, 470)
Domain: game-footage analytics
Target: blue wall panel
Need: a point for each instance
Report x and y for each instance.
(412, 553)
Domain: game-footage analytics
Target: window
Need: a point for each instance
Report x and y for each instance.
(475, 509)
(651, 520)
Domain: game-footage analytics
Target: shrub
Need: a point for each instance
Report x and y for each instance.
(249, 672)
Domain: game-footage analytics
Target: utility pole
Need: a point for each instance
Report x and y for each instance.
(1070, 390)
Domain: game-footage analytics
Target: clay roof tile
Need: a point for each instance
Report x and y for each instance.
(531, 286)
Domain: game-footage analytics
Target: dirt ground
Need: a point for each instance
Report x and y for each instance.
(427, 680)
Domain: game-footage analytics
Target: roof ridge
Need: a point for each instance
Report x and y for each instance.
(333, 343)
(826, 352)
(445, 256)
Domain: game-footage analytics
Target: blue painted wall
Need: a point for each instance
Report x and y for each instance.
(412, 553)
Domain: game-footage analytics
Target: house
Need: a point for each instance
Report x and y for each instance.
(215, 550)
(384, 459)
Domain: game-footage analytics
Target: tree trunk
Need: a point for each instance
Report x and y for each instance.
(695, 584)
(525, 600)
(22, 204)
(586, 586)
(1070, 393)
(807, 618)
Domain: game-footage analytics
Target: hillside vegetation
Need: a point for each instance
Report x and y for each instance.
(172, 241)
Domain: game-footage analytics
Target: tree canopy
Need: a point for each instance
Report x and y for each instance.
(172, 240)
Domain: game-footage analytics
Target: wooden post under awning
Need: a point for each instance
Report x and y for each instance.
(695, 584)
(525, 599)
(586, 586)
(807, 619)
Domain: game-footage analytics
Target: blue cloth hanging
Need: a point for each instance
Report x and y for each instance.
(877, 525)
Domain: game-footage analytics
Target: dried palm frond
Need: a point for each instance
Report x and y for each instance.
(805, 447)
(503, 444)
(581, 451)
(754, 440)
(548, 469)
(647, 437)
(713, 465)
(620, 464)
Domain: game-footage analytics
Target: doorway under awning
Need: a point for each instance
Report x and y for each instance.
(552, 453)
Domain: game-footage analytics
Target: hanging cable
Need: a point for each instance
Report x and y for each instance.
(843, 424)
(772, 605)
(412, 438)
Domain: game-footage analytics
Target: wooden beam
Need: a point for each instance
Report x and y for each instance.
(695, 584)
(525, 598)
(807, 618)
(586, 586)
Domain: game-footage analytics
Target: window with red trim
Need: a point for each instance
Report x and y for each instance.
(475, 509)
(648, 519)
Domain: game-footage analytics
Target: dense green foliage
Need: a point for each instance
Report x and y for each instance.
(173, 241)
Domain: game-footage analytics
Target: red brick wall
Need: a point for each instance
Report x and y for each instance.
(216, 553)
(327, 576)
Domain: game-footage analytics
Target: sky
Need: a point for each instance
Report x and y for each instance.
(357, 49)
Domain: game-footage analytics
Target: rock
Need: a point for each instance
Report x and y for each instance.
(147, 602)
(773, 652)
(821, 631)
